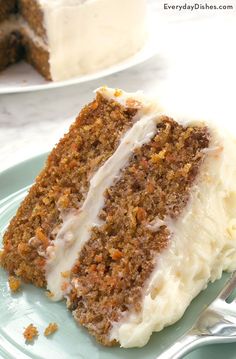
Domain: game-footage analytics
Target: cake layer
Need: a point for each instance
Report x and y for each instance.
(62, 186)
(7, 7)
(11, 49)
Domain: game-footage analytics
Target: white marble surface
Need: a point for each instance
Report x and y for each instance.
(194, 73)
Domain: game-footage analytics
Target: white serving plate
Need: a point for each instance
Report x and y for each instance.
(22, 77)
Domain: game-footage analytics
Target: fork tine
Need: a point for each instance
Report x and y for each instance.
(229, 287)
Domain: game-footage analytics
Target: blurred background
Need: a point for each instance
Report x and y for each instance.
(192, 74)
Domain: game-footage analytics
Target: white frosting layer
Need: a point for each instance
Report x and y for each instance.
(203, 244)
(76, 228)
(85, 36)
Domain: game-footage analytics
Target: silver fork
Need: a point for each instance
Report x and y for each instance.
(216, 324)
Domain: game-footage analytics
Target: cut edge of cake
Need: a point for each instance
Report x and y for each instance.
(19, 39)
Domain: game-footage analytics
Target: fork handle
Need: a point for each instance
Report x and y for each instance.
(183, 346)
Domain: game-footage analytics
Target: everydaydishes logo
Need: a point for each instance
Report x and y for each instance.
(196, 6)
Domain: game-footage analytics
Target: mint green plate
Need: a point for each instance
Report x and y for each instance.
(71, 341)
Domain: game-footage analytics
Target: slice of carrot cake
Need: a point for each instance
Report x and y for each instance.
(131, 217)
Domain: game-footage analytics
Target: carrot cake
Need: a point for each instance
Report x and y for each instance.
(66, 38)
(131, 217)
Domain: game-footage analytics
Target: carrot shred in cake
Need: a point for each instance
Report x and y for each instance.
(14, 284)
(30, 333)
(51, 328)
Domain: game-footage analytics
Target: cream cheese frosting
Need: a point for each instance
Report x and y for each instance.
(85, 36)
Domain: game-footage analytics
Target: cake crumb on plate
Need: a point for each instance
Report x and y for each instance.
(14, 284)
(30, 333)
(51, 328)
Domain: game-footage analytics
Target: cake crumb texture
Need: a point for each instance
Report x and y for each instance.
(51, 328)
(30, 333)
(7, 7)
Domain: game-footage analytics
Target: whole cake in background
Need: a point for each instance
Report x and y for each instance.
(66, 38)
(131, 217)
